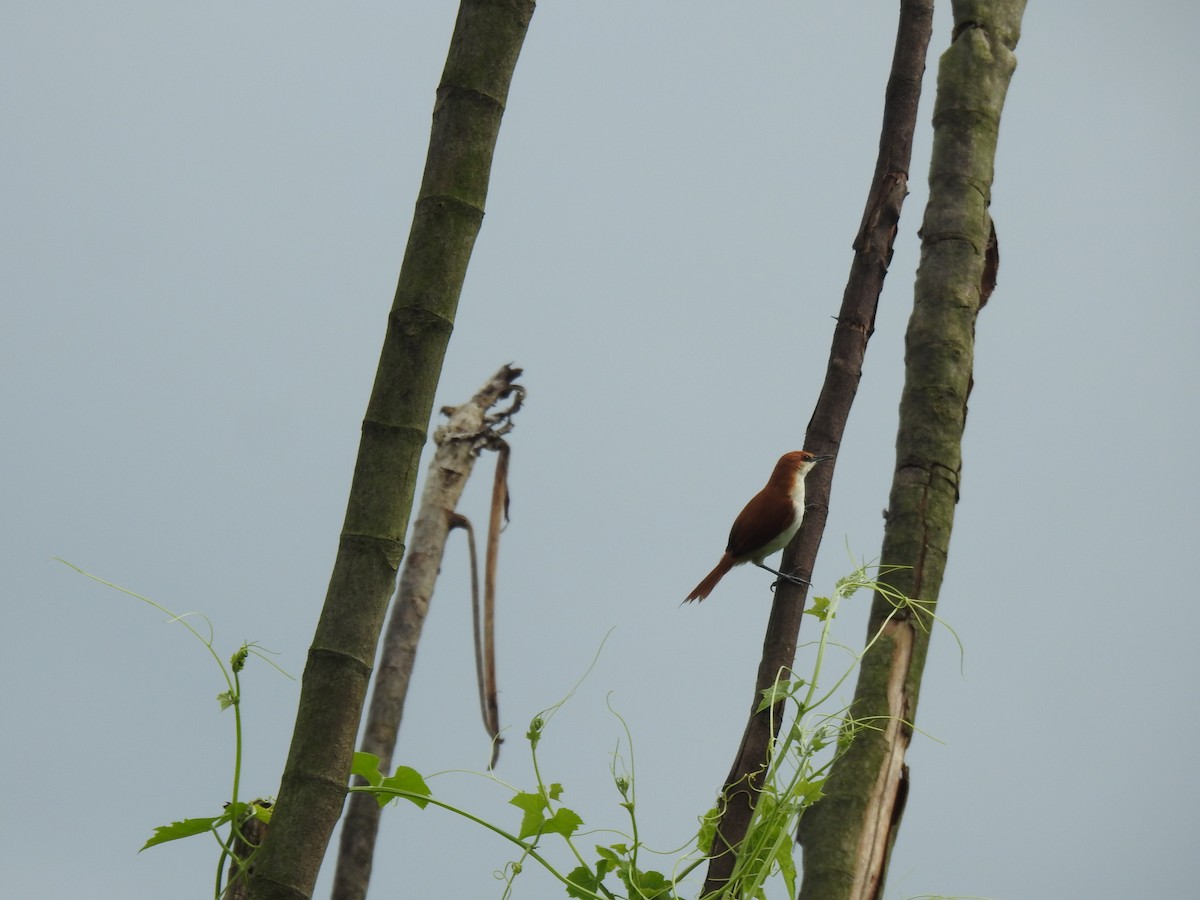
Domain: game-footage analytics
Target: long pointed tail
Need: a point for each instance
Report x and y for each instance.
(704, 588)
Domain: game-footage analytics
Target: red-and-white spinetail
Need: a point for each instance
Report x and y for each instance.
(768, 522)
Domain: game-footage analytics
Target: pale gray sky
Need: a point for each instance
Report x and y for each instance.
(205, 207)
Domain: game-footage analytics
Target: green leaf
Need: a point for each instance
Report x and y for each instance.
(534, 734)
(607, 854)
(183, 829)
(820, 739)
(645, 885)
(651, 884)
(787, 866)
(708, 830)
(564, 822)
(776, 693)
(820, 608)
(237, 811)
(534, 807)
(810, 792)
(405, 782)
(779, 692)
(225, 698)
(582, 884)
(535, 821)
(408, 780)
(529, 801)
(261, 812)
(366, 766)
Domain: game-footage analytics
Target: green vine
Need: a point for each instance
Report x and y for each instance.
(811, 739)
(238, 845)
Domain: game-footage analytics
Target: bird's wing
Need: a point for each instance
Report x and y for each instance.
(768, 515)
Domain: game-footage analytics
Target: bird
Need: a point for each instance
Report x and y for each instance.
(767, 523)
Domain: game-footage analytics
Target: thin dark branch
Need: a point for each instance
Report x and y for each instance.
(856, 322)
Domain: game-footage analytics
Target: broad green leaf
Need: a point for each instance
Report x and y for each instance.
(652, 884)
(776, 693)
(534, 807)
(607, 854)
(787, 866)
(810, 792)
(409, 780)
(529, 801)
(645, 885)
(820, 608)
(366, 766)
(535, 821)
(603, 867)
(582, 884)
(564, 821)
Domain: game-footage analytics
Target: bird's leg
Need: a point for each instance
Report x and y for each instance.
(794, 579)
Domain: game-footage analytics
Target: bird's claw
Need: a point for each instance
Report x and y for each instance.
(792, 579)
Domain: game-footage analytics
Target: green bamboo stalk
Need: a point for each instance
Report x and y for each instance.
(470, 102)
(848, 836)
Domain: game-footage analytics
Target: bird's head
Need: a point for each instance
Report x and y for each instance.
(797, 463)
